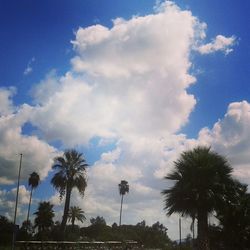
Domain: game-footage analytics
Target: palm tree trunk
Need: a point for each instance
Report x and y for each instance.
(66, 210)
(121, 211)
(29, 204)
(202, 237)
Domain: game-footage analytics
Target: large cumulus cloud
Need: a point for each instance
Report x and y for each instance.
(230, 136)
(129, 80)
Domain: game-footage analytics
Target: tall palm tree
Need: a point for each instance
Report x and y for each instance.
(71, 173)
(201, 179)
(123, 189)
(44, 219)
(33, 182)
(76, 213)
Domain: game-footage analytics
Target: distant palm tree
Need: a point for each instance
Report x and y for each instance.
(76, 213)
(44, 219)
(71, 173)
(123, 189)
(201, 180)
(33, 182)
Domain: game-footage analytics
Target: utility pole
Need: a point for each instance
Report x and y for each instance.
(17, 192)
(180, 230)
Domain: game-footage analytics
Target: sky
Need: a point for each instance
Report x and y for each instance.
(131, 85)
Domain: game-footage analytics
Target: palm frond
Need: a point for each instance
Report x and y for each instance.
(34, 180)
(201, 178)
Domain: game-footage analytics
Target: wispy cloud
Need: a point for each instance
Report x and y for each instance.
(220, 43)
(5, 181)
(29, 68)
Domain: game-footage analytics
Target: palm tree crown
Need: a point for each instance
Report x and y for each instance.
(44, 216)
(71, 173)
(76, 213)
(123, 187)
(33, 182)
(202, 178)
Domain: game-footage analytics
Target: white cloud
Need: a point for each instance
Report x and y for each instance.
(28, 70)
(126, 81)
(111, 156)
(42, 91)
(5, 181)
(138, 46)
(37, 154)
(220, 43)
(6, 104)
(90, 36)
(231, 136)
(7, 203)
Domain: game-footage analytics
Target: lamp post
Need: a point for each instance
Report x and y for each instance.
(17, 192)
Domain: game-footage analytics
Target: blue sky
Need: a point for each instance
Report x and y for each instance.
(131, 84)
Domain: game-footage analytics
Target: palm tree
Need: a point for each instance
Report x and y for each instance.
(71, 173)
(33, 182)
(202, 178)
(123, 189)
(76, 213)
(44, 219)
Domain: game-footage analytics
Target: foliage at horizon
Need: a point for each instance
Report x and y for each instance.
(232, 212)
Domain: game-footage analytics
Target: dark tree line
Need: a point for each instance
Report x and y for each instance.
(98, 230)
(202, 185)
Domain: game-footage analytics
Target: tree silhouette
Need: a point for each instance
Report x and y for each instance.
(234, 218)
(71, 173)
(44, 219)
(33, 182)
(201, 178)
(76, 213)
(6, 229)
(123, 189)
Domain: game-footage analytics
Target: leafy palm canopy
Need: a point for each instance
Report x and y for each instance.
(202, 178)
(44, 216)
(76, 213)
(123, 187)
(71, 172)
(34, 180)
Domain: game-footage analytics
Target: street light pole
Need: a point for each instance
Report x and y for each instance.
(17, 192)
